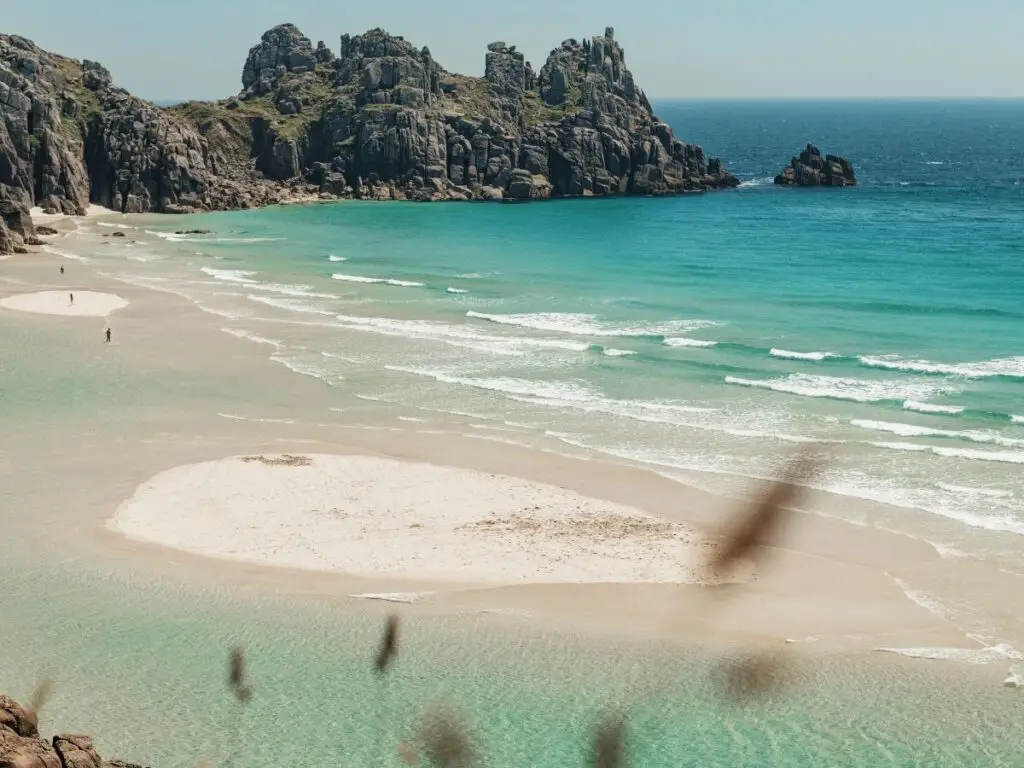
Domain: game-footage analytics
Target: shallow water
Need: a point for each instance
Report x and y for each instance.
(146, 673)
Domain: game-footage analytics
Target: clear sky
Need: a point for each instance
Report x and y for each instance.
(194, 49)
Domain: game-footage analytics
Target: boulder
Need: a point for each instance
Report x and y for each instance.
(76, 751)
(810, 169)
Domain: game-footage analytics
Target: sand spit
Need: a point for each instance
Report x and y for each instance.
(87, 303)
(379, 517)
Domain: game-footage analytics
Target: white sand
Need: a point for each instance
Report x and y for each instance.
(87, 303)
(381, 517)
(91, 211)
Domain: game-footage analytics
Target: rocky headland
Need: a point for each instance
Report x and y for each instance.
(810, 169)
(21, 746)
(381, 119)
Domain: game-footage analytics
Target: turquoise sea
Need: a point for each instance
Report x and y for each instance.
(702, 336)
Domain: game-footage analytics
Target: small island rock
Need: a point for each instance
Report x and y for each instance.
(810, 169)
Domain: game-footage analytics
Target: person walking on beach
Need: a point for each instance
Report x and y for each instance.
(108, 335)
(72, 299)
(62, 270)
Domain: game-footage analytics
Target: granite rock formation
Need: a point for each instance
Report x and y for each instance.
(381, 120)
(21, 746)
(810, 169)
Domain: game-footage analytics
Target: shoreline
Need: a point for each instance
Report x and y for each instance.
(138, 633)
(820, 545)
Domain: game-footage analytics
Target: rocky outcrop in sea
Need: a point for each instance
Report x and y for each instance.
(382, 119)
(810, 169)
(21, 746)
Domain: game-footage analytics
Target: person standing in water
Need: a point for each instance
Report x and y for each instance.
(72, 299)
(62, 270)
(108, 335)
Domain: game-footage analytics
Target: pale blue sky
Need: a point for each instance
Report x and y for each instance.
(676, 48)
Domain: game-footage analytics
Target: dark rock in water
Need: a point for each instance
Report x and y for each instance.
(192, 232)
(810, 169)
(21, 747)
(42, 229)
(117, 234)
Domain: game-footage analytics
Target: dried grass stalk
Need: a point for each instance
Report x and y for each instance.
(758, 528)
(445, 740)
(753, 676)
(237, 680)
(610, 742)
(41, 695)
(388, 648)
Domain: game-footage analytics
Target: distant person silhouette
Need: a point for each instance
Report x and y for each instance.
(62, 270)
(72, 299)
(108, 335)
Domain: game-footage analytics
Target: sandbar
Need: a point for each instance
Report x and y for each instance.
(87, 303)
(378, 517)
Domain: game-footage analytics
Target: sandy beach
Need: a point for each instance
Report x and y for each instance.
(86, 303)
(376, 517)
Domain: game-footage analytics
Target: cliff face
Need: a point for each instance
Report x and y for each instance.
(382, 119)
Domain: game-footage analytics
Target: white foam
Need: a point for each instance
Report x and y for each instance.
(291, 306)
(913, 430)
(913, 405)
(1012, 367)
(967, 491)
(682, 341)
(588, 325)
(457, 335)
(239, 333)
(618, 352)
(1017, 419)
(64, 254)
(230, 275)
(393, 597)
(112, 225)
(175, 237)
(1005, 457)
(332, 257)
(789, 355)
(560, 390)
(455, 290)
(857, 390)
(1015, 677)
(235, 417)
(304, 291)
(1000, 652)
(750, 183)
(377, 281)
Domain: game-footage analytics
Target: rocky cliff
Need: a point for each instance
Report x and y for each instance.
(810, 169)
(382, 119)
(21, 747)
